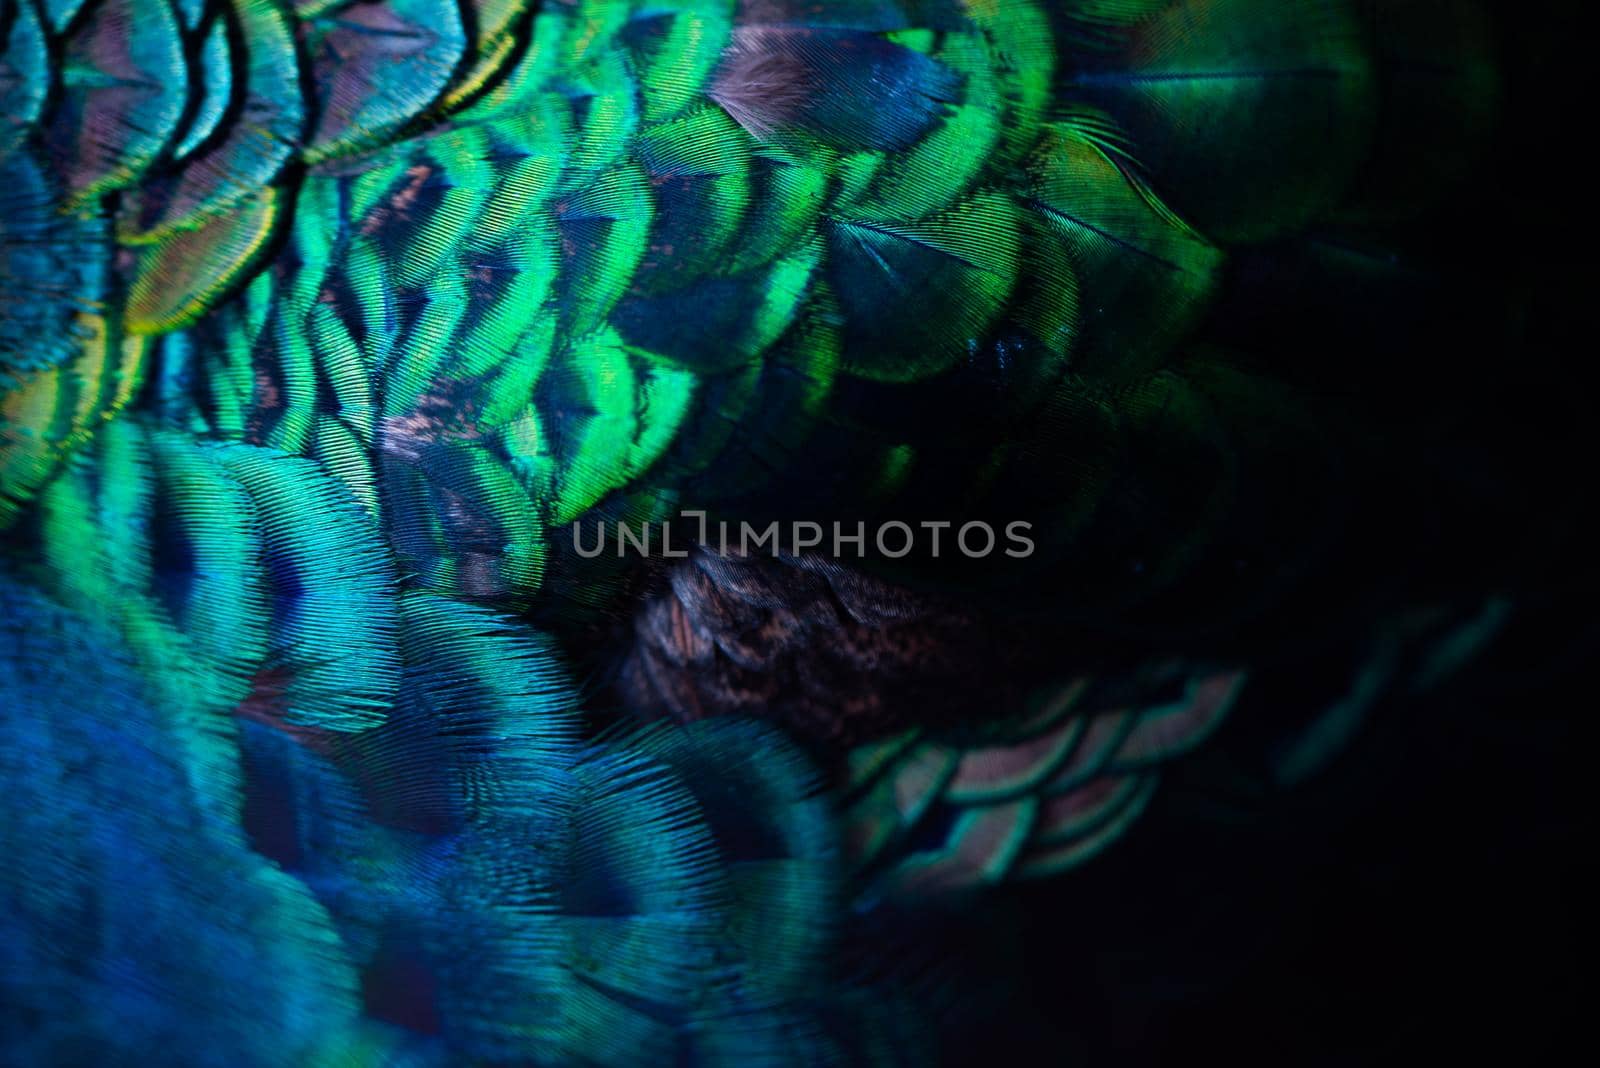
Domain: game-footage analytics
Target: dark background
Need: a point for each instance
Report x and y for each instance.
(1418, 899)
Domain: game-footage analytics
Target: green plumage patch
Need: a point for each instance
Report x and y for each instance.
(969, 253)
(214, 552)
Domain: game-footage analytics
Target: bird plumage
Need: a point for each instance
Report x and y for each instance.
(323, 326)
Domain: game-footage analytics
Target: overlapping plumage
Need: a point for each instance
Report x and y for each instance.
(324, 323)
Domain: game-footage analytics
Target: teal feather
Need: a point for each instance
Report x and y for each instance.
(214, 87)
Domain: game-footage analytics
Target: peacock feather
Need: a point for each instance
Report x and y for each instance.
(328, 326)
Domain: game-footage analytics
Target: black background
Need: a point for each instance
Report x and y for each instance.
(1418, 900)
